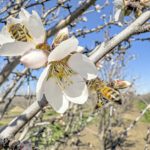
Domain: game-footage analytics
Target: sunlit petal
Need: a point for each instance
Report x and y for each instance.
(80, 49)
(23, 14)
(36, 29)
(5, 39)
(40, 84)
(61, 36)
(34, 59)
(12, 21)
(5, 32)
(55, 96)
(63, 49)
(36, 15)
(83, 65)
(118, 11)
(77, 91)
(16, 48)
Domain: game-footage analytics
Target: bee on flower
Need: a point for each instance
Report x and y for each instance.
(63, 80)
(26, 37)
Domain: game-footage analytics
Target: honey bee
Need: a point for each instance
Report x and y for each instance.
(104, 92)
(19, 32)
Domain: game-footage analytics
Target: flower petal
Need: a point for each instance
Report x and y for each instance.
(5, 39)
(35, 58)
(12, 21)
(83, 65)
(80, 49)
(5, 36)
(23, 14)
(118, 17)
(61, 36)
(55, 96)
(34, 13)
(64, 49)
(118, 11)
(41, 83)
(16, 48)
(77, 91)
(36, 29)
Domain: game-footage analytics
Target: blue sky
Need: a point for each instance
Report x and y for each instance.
(138, 68)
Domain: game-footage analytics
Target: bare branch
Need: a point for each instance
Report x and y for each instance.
(8, 69)
(70, 18)
(132, 29)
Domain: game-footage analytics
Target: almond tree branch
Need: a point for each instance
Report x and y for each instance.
(9, 89)
(70, 18)
(8, 69)
(14, 126)
(101, 51)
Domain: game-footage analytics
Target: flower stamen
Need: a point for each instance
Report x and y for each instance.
(20, 33)
(61, 71)
(43, 46)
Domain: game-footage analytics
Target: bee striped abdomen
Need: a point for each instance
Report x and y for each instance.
(110, 94)
(19, 32)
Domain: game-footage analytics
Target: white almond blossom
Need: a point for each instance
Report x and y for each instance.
(25, 36)
(63, 79)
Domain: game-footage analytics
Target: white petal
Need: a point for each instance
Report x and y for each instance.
(34, 13)
(5, 36)
(35, 59)
(36, 29)
(77, 91)
(34, 24)
(23, 14)
(41, 83)
(83, 65)
(16, 48)
(61, 36)
(63, 49)
(5, 39)
(55, 96)
(119, 17)
(12, 21)
(80, 49)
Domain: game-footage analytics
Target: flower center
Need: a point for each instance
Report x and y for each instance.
(43, 46)
(19, 32)
(61, 71)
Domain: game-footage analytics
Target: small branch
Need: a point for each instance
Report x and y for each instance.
(101, 51)
(8, 69)
(70, 18)
(15, 125)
